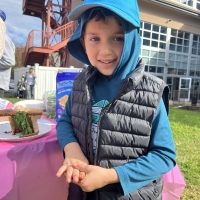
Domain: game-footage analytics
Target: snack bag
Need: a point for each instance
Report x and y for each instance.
(64, 83)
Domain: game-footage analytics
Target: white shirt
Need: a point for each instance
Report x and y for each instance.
(2, 36)
(6, 62)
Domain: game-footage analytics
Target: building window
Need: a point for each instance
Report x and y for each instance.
(147, 34)
(146, 42)
(153, 35)
(198, 4)
(177, 64)
(179, 41)
(172, 71)
(147, 26)
(195, 66)
(154, 61)
(160, 70)
(186, 2)
(196, 45)
(152, 69)
(191, 3)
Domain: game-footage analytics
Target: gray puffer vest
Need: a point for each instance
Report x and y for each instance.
(124, 130)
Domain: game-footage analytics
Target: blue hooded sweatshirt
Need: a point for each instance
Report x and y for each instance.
(161, 156)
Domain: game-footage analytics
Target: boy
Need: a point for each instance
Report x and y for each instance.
(115, 132)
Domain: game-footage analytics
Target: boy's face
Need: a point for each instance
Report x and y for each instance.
(103, 42)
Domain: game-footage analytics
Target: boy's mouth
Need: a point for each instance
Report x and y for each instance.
(107, 61)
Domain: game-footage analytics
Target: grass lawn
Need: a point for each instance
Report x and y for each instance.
(186, 130)
(14, 100)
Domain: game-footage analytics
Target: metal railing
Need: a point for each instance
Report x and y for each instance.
(49, 40)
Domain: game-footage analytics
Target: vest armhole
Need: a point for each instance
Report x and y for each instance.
(165, 97)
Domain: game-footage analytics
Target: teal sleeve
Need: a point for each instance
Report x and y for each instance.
(159, 160)
(64, 128)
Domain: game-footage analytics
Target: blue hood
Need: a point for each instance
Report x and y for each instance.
(128, 11)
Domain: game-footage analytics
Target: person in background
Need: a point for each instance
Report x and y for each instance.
(21, 87)
(115, 132)
(7, 56)
(30, 82)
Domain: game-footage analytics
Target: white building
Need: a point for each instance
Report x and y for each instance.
(170, 32)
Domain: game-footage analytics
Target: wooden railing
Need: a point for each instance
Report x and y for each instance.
(61, 34)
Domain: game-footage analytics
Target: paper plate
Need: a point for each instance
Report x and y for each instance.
(34, 104)
(44, 128)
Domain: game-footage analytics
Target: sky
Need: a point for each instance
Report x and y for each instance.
(18, 25)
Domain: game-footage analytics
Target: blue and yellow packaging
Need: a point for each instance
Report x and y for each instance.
(64, 83)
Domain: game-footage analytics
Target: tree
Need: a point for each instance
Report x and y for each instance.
(19, 56)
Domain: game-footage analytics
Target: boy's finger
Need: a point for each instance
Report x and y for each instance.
(75, 176)
(69, 174)
(81, 176)
(61, 170)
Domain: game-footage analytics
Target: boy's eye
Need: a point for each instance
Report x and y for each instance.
(119, 38)
(94, 39)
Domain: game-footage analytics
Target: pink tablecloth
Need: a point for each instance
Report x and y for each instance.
(173, 184)
(28, 168)
(5, 104)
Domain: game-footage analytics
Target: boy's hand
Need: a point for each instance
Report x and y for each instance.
(72, 175)
(95, 177)
(74, 155)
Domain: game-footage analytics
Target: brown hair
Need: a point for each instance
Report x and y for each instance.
(100, 13)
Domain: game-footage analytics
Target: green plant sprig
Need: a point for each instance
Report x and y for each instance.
(22, 123)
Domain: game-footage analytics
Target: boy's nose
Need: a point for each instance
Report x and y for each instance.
(106, 50)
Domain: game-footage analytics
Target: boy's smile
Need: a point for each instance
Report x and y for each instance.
(103, 41)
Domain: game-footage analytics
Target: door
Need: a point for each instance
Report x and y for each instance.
(173, 83)
(184, 88)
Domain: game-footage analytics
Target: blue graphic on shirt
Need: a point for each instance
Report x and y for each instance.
(96, 111)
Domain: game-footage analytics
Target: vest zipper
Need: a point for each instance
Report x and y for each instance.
(103, 111)
(89, 125)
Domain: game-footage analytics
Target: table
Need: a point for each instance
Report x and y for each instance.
(28, 168)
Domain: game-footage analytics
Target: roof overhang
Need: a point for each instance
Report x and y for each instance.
(179, 7)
